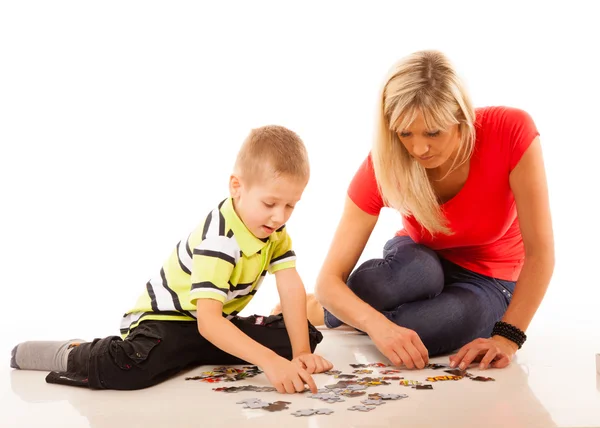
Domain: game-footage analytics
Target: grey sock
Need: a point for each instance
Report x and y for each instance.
(42, 355)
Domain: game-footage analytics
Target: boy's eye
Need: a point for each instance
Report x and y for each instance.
(291, 206)
(269, 205)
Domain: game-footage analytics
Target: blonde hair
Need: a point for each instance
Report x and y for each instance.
(272, 150)
(424, 82)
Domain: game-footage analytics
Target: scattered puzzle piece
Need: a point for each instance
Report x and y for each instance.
(443, 378)
(483, 379)
(359, 366)
(277, 406)
(324, 411)
(393, 371)
(423, 387)
(363, 371)
(409, 382)
(332, 372)
(362, 408)
(370, 402)
(304, 412)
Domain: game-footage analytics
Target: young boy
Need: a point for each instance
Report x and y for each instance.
(186, 315)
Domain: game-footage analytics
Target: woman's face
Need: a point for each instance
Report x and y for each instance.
(432, 148)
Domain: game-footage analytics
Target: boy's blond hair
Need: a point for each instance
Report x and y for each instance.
(424, 82)
(272, 151)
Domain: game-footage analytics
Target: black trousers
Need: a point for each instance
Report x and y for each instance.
(156, 350)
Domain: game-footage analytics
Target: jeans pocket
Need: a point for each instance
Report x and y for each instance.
(135, 348)
(506, 287)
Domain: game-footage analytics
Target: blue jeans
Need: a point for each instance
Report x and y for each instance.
(445, 304)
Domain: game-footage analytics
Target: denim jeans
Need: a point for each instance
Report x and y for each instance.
(445, 304)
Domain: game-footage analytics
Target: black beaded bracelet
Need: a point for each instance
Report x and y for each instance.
(510, 332)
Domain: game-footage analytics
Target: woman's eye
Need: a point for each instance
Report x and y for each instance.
(433, 134)
(269, 205)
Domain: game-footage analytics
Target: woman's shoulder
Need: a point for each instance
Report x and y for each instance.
(499, 116)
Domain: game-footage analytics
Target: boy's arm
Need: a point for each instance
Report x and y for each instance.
(284, 375)
(293, 304)
(226, 336)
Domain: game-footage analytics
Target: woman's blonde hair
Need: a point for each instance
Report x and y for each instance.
(424, 82)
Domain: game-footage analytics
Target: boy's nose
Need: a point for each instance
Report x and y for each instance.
(277, 216)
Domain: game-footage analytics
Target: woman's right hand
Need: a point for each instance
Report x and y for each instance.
(400, 345)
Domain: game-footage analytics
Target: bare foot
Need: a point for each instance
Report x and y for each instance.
(276, 310)
(314, 310)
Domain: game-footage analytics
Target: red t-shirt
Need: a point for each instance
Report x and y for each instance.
(483, 215)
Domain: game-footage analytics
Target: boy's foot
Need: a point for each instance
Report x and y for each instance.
(314, 310)
(42, 355)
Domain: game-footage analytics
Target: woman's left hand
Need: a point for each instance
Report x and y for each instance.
(496, 352)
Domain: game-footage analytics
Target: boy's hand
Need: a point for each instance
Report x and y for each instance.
(288, 377)
(313, 363)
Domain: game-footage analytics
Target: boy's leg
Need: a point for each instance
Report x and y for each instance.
(407, 272)
(42, 355)
(157, 350)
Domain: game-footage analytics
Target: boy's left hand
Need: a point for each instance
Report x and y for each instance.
(313, 363)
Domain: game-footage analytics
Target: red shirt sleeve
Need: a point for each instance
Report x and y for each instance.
(363, 189)
(520, 131)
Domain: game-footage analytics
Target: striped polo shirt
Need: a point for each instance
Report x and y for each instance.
(221, 260)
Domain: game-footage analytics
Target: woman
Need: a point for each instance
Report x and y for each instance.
(477, 245)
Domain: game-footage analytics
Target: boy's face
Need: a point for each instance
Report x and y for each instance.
(267, 204)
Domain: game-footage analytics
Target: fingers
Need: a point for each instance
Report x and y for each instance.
(457, 358)
(298, 384)
(309, 381)
(288, 386)
(415, 355)
(470, 356)
(501, 361)
(488, 358)
(393, 357)
(279, 387)
(328, 365)
(422, 349)
(310, 365)
(404, 356)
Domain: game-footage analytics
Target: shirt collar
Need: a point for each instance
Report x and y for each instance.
(249, 244)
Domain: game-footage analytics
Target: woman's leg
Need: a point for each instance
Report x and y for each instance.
(408, 272)
(466, 309)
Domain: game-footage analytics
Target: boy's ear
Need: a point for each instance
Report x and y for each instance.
(235, 186)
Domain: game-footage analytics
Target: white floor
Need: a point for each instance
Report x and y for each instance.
(553, 382)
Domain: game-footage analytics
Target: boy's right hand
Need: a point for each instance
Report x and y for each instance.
(288, 377)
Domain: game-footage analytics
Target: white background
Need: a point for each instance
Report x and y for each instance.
(120, 121)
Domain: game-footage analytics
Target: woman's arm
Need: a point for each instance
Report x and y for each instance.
(528, 183)
(400, 345)
(331, 291)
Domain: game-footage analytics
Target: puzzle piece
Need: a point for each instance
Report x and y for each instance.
(362, 408)
(363, 371)
(259, 404)
(423, 387)
(350, 393)
(324, 411)
(483, 379)
(409, 382)
(378, 396)
(370, 402)
(277, 406)
(391, 371)
(304, 412)
(379, 365)
(359, 366)
(332, 372)
(437, 366)
(345, 376)
(443, 378)
(458, 372)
